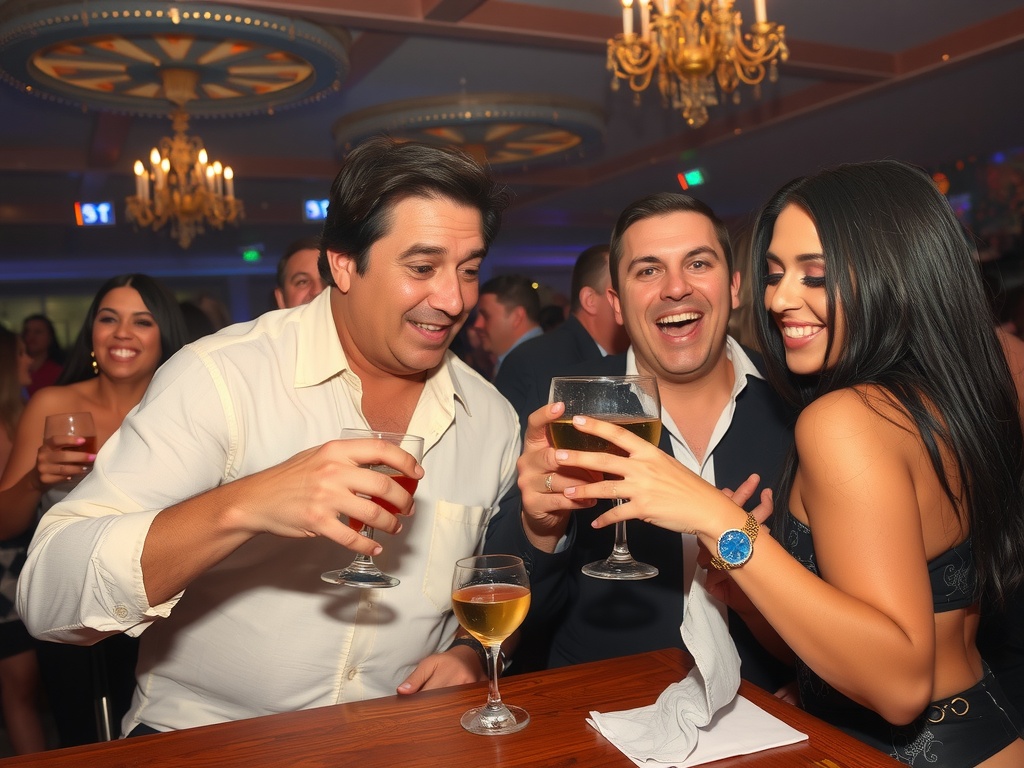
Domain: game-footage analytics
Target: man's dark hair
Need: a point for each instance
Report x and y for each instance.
(381, 172)
(515, 291)
(660, 204)
(308, 243)
(588, 272)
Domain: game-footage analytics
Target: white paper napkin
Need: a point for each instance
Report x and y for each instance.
(700, 718)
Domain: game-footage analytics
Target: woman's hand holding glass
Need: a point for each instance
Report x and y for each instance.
(630, 401)
(658, 488)
(68, 450)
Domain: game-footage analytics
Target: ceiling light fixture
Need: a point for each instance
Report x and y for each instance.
(182, 186)
(688, 40)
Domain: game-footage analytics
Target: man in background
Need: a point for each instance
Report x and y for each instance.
(589, 333)
(508, 314)
(298, 279)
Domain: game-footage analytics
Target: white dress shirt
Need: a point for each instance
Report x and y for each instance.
(260, 632)
(742, 367)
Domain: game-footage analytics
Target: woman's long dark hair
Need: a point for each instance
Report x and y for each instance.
(158, 300)
(917, 325)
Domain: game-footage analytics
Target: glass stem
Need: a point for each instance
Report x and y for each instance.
(620, 551)
(493, 696)
(362, 559)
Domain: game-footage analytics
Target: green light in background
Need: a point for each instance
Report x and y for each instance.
(693, 178)
(251, 255)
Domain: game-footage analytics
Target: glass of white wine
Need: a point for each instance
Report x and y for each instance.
(490, 597)
(631, 402)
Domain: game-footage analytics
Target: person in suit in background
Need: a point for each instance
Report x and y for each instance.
(589, 333)
(507, 314)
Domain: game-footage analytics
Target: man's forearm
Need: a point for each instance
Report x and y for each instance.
(189, 538)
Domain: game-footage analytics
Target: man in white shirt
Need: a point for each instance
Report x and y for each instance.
(209, 517)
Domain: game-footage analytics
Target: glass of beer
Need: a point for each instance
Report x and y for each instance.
(60, 430)
(631, 402)
(363, 572)
(490, 597)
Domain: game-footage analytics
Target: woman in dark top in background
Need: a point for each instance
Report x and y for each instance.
(908, 469)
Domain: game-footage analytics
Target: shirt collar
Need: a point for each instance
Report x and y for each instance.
(742, 365)
(320, 357)
(530, 334)
(319, 352)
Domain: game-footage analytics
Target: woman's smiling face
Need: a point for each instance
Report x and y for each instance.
(795, 294)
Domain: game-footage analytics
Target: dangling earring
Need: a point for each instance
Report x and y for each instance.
(95, 365)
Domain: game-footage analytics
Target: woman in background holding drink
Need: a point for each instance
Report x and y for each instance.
(132, 326)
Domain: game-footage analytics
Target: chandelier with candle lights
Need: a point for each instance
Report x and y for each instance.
(688, 41)
(181, 186)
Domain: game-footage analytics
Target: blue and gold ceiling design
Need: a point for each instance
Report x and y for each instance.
(109, 56)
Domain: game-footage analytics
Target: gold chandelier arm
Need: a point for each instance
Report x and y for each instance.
(697, 44)
(767, 44)
(633, 59)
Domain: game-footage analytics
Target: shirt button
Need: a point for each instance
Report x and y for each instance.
(120, 612)
(352, 673)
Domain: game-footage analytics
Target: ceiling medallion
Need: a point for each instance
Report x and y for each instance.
(108, 55)
(508, 132)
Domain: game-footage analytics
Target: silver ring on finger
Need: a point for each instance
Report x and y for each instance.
(547, 484)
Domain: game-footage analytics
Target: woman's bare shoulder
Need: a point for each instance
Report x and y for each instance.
(848, 431)
(63, 398)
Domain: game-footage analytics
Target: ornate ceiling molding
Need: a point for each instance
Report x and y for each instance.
(108, 55)
(508, 131)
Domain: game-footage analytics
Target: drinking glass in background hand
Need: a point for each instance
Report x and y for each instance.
(363, 572)
(60, 432)
(490, 598)
(631, 402)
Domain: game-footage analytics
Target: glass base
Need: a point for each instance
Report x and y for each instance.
(484, 722)
(620, 570)
(365, 576)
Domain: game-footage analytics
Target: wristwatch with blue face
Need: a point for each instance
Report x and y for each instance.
(736, 545)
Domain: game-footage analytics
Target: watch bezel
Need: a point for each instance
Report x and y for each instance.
(727, 536)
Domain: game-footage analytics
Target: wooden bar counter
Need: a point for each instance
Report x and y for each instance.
(423, 731)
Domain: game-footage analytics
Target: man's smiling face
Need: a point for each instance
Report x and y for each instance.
(675, 294)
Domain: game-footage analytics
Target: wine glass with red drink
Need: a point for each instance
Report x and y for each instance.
(61, 430)
(363, 572)
(631, 402)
